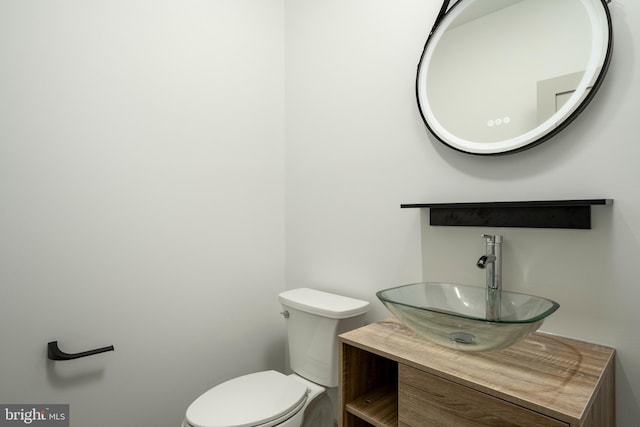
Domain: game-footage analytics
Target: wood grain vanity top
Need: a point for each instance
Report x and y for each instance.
(552, 375)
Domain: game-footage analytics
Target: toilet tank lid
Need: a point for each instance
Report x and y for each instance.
(323, 303)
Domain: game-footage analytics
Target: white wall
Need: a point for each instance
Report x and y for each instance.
(357, 149)
(141, 201)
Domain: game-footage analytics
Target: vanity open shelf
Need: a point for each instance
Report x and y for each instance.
(370, 388)
(391, 377)
(575, 214)
(378, 407)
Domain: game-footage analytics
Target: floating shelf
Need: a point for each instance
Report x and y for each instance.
(574, 214)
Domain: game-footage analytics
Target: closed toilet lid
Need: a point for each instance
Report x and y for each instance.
(249, 400)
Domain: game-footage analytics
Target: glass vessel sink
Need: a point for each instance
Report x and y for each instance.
(457, 316)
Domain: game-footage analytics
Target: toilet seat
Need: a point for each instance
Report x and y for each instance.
(260, 399)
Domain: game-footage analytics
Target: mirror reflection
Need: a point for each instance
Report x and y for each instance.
(499, 76)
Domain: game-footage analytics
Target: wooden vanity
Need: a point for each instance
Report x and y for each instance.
(389, 376)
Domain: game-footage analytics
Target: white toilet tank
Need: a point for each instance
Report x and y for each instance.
(314, 321)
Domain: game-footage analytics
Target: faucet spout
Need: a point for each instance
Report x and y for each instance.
(485, 259)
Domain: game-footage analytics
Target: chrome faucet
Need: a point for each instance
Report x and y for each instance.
(492, 262)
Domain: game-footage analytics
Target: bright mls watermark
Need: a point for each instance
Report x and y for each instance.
(34, 415)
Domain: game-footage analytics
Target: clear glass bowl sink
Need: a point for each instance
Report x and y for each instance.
(456, 316)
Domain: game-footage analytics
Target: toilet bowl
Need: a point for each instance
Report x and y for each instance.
(270, 398)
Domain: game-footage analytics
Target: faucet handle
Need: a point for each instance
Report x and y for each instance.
(491, 238)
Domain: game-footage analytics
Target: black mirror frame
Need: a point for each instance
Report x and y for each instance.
(444, 10)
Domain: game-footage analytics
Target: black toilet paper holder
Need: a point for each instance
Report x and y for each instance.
(54, 352)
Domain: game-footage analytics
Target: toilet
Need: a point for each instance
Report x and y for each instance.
(314, 320)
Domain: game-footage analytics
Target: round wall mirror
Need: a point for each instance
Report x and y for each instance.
(501, 76)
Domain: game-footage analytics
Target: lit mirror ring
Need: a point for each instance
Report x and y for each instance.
(501, 76)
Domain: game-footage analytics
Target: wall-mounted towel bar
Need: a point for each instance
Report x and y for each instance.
(54, 352)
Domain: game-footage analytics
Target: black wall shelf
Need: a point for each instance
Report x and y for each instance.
(574, 214)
